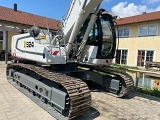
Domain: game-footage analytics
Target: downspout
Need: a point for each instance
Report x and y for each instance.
(6, 48)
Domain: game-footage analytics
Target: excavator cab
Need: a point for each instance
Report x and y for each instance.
(101, 42)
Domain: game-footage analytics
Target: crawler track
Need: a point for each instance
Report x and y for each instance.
(79, 95)
(125, 79)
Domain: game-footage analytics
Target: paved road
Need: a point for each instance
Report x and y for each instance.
(16, 106)
(135, 107)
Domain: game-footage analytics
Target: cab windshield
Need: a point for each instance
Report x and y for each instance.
(108, 41)
(101, 35)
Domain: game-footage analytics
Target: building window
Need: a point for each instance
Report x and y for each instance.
(150, 30)
(1, 40)
(123, 32)
(144, 82)
(144, 55)
(121, 56)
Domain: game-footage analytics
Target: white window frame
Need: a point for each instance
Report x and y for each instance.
(123, 36)
(126, 55)
(154, 53)
(145, 82)
(147, 34)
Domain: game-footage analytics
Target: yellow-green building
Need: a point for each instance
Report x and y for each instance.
(139, 39)
(13, 21)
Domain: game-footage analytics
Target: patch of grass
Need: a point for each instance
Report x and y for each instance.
(153, 92)
(123, 66)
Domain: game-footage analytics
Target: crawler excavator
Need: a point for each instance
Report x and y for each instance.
(58, 71)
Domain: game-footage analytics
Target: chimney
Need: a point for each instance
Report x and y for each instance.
(15, 7)
(144, 12)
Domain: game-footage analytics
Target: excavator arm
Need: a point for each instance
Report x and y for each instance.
(78, 12)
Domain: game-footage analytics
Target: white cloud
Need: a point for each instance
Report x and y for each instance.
(158, 8)
(123, 9)
(150, 1)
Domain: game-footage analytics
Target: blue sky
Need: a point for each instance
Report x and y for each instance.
(57, 8)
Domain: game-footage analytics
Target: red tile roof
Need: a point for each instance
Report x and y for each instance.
(9, 15)
(139, 18)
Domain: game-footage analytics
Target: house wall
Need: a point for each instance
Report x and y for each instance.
(134, 43)
(10, 34)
